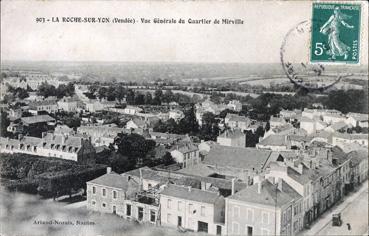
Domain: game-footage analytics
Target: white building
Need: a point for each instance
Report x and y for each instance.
(194, 209)
(232, 138)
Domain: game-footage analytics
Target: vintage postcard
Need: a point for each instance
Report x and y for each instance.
(184, 118)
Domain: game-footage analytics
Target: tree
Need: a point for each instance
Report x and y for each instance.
(46, 90)
(188, 124)
(167, 159)
(148, 98)
(4, 123)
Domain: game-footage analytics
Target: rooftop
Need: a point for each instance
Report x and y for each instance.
(269, 194)
(244, 158)
(37, 119)
(191, 194)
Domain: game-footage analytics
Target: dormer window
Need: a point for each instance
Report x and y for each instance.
(52, 146)
(70, 149)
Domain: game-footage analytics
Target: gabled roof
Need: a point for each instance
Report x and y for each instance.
(358, 116)
(274, 140)
(243, 158)
(269, 194)
(114, 180)
(236, 133)
(191, 194)
(37, 119)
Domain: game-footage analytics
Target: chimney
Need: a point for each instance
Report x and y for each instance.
(189, 188)
(233, 180)
(300, 167)
(259, 187)
(108, 170)
(329, 156)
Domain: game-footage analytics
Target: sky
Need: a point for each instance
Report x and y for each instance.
(258, 40)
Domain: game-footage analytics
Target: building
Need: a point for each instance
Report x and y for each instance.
(48, 105)
(275, 142)
(94, 105)
(132, 110)
(68, 104)
(359, 166)
(276, 121)
(357, 119)
(264, 209)
(235, 105)
(108, 192)
(186, 153)
(234, 121)
(100, 134)
(341, 139)
(232, 138)
(176, 115)
(51, 145)
(240, 163)
(193, 209)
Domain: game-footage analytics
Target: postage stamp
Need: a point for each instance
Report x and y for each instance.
(335, 33)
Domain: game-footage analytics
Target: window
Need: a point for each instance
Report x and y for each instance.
(128, 210)
(250, 215)
(115, 194)
(265, 218)
(104, 205)
(169, 216)
(235, 228)
(236, 211)
(104, 192)
(140, 213)
(190, 206)
(93, 203)
(169, 203)
(202, 211)
(152, 215)
(180, 205)
(94, 190)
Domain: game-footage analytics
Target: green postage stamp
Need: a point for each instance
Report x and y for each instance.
(335, 33)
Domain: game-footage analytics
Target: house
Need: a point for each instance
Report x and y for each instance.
(275, 142)
(340, 139)
(136, 123)
(357, 119)
(100, 134)
(359, 165)
(68, 104)
(66, 147)
(290, 115)
(48, 105)
(331, 118)
(234, 121)
(276, 121)
(132, 110)
(186, 154)
(64, 129)
(338, 126)
(240, 163)
(193, 209)
(232, 138)
(176, 115)
(265, 208)
(94, 105)
(35, 125)
(235, 105)
(312, 125)
(107, 193)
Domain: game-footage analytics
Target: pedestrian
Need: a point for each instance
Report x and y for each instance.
(349, 226)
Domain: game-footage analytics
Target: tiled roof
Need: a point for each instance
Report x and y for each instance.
(191, 194)
(269, 194)
(358, 116)
(338, 125)
(164, 176)
(114, 180)
(274, 140)
(236, 133)
(234, 117)
(277, 119)
(37, 119)
(244, 158)
(350, 136)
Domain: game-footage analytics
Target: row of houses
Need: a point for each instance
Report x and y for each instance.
(235, 191)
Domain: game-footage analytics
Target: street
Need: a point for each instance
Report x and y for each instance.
(354, 210)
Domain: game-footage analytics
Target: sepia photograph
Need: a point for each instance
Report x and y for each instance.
(191, 118)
